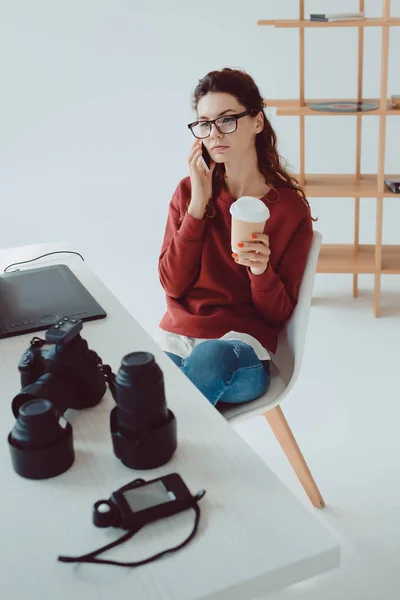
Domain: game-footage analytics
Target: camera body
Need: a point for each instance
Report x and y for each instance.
(66, 372)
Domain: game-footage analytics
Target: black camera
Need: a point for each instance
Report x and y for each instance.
(65, 375)
(68, 373)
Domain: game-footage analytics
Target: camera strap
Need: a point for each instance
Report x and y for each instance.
(109, 376)
(91, 556)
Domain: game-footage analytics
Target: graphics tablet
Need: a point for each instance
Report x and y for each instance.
(34, 299)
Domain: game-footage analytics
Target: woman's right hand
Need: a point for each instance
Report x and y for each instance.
(201, 181)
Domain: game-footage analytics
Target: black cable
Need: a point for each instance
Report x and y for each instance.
(24, 262)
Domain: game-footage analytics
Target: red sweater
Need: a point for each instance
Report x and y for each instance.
(208, 293)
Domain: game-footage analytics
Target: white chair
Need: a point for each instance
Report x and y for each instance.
(284, 372)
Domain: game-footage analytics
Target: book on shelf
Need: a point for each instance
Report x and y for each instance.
(353, 15)
(332, 17)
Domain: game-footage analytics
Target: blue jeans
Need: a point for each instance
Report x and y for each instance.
(225, 371)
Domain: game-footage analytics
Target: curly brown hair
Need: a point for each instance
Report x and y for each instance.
(273, 167)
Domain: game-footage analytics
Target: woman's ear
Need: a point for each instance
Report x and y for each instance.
(260, 122)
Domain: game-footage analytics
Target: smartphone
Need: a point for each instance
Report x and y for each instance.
(206, 157)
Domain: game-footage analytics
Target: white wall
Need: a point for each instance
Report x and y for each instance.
(95, 98)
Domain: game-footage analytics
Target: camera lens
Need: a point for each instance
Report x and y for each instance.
(60, 389)
(142, 427)
(35, 422)
(140, 393)
(40, 445)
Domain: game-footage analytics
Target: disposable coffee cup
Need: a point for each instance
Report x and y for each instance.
(249, 216)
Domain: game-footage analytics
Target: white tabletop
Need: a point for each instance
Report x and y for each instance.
(254, 535)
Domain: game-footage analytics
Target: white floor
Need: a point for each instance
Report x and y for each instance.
(345, 414)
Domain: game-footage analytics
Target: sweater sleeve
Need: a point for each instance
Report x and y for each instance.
(179, 261)
(275, 292)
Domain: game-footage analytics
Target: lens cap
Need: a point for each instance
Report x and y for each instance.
(40, 442)
(138, 368)
(137, 361)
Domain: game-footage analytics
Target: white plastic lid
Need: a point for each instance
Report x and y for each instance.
(250, 210)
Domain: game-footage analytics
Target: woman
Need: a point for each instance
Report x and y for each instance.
(225, 311)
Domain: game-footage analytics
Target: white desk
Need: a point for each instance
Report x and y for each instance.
(254, 536)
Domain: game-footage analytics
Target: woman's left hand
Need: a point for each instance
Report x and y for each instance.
(254, 254)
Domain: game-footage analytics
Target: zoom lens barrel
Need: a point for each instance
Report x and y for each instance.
(143, 429)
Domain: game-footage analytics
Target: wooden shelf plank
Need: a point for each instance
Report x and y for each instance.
(391, 260)
(295, 110)
(289, 108)
(296, 23)
(342, 258)
(288, 102)
(345, 186)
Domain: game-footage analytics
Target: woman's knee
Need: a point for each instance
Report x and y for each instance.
(222, 368)
(219, 358)
(211, 353)
(210, 366)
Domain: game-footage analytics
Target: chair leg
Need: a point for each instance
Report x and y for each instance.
(285, 437)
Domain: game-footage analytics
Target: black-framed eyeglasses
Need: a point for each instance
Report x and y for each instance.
(225, 124)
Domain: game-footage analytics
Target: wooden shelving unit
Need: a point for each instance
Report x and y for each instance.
(356, 258)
